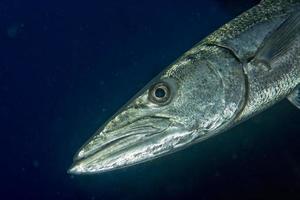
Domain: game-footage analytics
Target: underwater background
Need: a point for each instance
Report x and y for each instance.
(67, 66)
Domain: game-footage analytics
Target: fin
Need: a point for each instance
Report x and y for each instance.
(294, 97)
(244, 47)
(280, 40)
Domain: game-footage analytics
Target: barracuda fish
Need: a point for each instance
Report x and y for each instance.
(238, 71)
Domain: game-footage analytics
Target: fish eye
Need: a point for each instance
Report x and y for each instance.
(160, 93)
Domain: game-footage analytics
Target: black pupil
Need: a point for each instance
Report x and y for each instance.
(160, 93)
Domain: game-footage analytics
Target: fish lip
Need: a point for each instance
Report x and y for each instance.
(107, 144)
(99, 148)
(76, 163)
(145, 130)
(132, 136)
(77, 168)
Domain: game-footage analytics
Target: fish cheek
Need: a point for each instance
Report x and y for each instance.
(211, 102)
(200, 98)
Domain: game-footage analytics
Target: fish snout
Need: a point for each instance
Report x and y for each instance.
(112, 148)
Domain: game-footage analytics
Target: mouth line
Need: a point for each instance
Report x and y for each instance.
(130, 153)
(104, 146)
(144, 143)
(115, 141)
(142, 130)
(134, 121)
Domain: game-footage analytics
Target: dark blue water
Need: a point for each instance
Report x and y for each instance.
(66, 66)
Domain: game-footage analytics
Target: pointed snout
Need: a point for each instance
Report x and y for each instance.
(138, 141)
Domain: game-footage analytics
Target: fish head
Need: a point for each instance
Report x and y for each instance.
(179, 107)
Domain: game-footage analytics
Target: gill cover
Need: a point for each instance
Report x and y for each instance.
(208, 82)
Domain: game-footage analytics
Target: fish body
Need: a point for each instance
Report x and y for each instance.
(238, 71)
